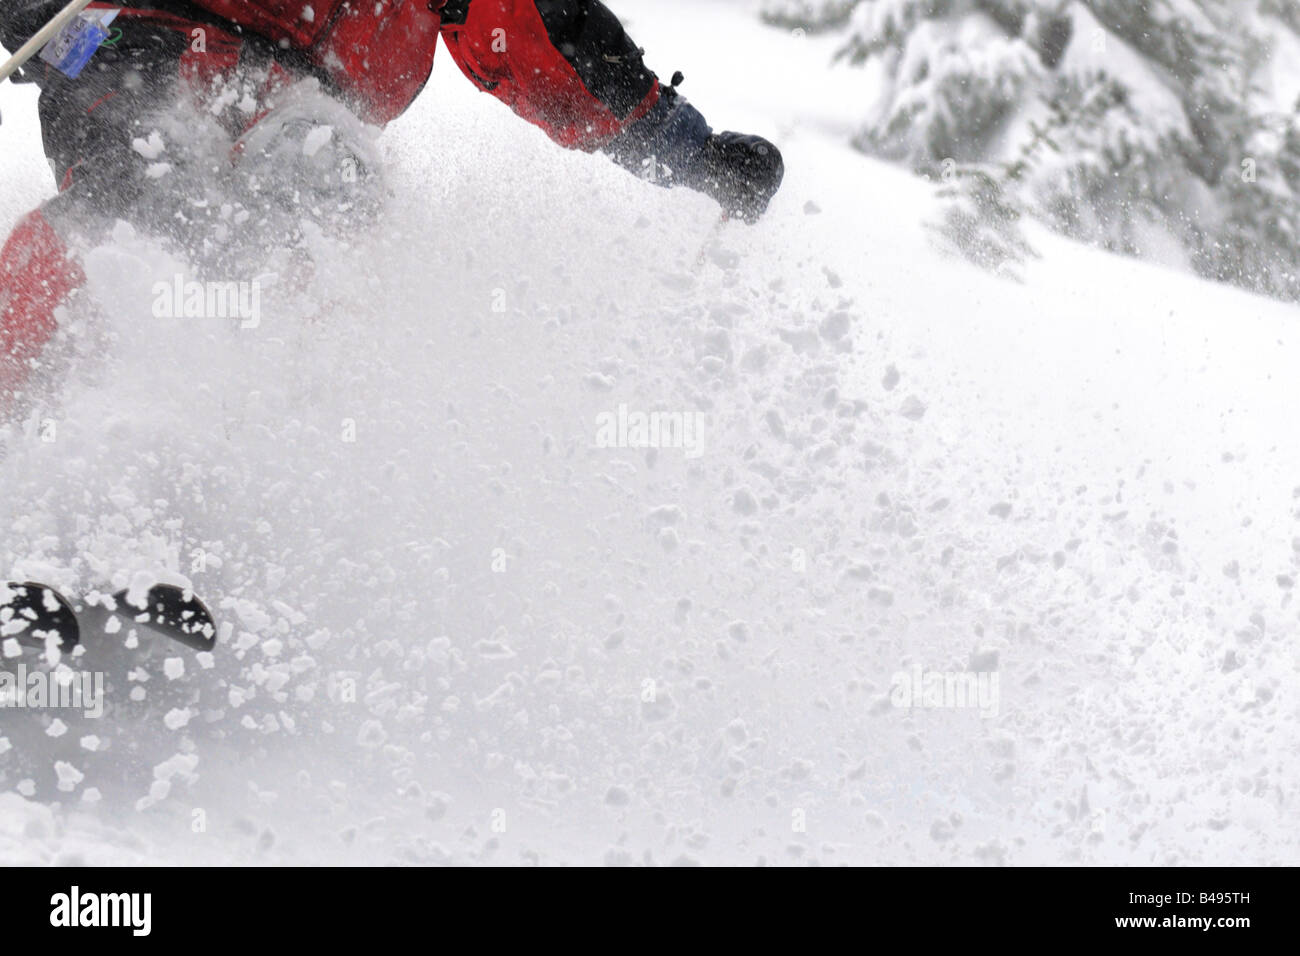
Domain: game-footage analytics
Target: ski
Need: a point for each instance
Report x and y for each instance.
(171, 611)
(32, 612)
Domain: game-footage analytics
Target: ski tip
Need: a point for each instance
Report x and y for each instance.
(33, 612)
(172, 612)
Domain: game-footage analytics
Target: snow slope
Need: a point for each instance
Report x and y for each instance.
(567, 653)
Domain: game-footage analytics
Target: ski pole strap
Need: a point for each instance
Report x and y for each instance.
(43, 36)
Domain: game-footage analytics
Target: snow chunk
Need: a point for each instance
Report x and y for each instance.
(317, 139)
(69, 776)
(150, 148)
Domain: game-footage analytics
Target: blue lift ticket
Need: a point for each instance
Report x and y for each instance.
(76, 43)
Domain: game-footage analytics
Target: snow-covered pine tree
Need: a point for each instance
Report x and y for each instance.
(810, 15)
(1163, 128)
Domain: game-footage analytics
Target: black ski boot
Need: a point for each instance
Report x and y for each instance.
(673, 145)
(742, 172)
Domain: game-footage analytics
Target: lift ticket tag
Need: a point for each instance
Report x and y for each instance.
(76, 43)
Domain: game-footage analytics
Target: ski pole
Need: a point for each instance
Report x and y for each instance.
(43, 36)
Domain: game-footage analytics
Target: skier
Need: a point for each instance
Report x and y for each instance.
(566, 66)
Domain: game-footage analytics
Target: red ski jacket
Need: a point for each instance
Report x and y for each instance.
(379, 52)
(567, 68)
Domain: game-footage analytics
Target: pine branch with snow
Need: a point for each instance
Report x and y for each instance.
(1168, 122)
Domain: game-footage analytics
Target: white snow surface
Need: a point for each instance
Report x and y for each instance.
(570, 654)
